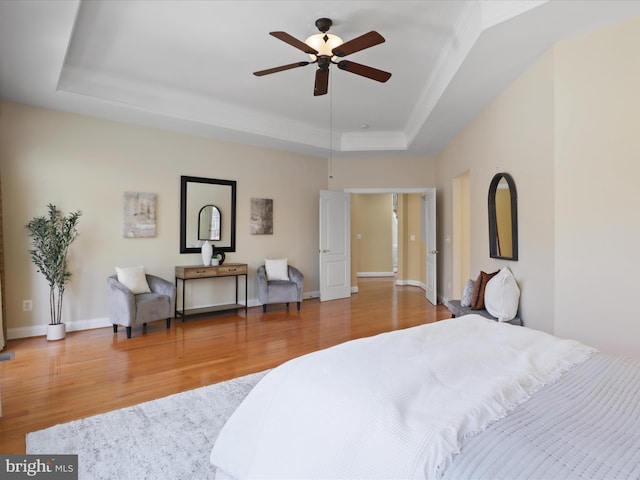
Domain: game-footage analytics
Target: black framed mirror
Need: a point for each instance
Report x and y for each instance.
(503, 218)
(196, 193)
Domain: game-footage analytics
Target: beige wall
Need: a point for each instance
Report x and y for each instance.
(460, 238)
(371, 219)
(514, 134)
(597, 227)
(566, 132)
(77, 162)
(385, 173)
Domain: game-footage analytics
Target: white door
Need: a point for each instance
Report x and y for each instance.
(335, 245)
(431, 291)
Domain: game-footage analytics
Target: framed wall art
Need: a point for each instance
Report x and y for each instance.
(261, 222)
(139, 215)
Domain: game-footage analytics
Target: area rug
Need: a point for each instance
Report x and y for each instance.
(168, 438)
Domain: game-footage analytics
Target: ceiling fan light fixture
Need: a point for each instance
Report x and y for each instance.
(323, 43)
(324, 49)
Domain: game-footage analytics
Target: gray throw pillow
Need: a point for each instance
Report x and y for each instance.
(467, 292)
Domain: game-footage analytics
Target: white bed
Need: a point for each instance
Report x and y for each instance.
(416, 403)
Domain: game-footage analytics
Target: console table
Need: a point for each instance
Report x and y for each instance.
(195, 272)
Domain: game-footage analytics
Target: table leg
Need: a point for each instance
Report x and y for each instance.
(183, 282)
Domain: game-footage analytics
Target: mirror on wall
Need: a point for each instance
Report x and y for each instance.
(503, 218)
(202, 202)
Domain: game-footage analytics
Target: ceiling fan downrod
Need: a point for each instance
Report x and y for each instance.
(324, 24)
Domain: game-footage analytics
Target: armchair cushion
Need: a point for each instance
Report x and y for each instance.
(276, 269)
(133, 278)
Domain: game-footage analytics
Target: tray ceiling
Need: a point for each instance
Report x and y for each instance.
(187, 65)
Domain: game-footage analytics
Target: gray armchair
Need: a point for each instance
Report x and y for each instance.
(280, 291)
(128, 309)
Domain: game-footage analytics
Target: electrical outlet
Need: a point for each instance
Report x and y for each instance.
(27, 305)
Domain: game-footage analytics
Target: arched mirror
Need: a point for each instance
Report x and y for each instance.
(209, 223)
(503, 218)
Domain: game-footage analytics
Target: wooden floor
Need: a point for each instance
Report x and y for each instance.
(95, 371)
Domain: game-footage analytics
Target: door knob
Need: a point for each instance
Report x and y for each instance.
(434, 252)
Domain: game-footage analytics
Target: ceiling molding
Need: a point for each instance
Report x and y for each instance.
(466, 33)
(373, 141)
(498, 11)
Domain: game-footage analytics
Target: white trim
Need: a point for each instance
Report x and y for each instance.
(41, 330)
(77, 325)
(463, 37)
(389, 190)
(411, 283)
(372, 141)
(376, 274)
(493, 12)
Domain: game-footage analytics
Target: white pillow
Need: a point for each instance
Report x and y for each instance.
(467, 293)
(133, 278)
(276, 269)
(502, 295)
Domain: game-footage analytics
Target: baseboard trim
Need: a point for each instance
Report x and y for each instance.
(40, 330)
(376, 274)
(411, 283)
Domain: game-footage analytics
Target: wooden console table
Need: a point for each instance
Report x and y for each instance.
(195, 272)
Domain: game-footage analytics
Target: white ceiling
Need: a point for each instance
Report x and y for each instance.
(187, 65)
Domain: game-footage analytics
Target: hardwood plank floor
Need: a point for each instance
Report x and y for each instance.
(95, 371)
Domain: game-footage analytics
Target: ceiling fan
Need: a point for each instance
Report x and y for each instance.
(323, 48)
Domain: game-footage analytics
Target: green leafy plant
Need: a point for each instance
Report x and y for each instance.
(51, 237)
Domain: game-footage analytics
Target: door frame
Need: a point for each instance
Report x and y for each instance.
(399, 190)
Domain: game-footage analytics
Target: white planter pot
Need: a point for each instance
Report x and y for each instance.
(56, 331)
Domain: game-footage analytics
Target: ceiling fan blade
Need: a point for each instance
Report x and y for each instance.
(280, 69)
(363, 70)
(294, 42)
(359, 43)
(322, 82)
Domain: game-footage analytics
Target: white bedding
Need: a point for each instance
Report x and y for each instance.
(391, 406)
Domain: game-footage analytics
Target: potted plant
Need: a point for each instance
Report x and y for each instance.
(51, 237)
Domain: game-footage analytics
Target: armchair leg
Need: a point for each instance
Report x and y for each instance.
(115, 328)
(128, 332)
(299, 306)
(264, 308)
(168, 323)
(287, 305)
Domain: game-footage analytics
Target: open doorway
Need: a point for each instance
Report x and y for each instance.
(393, 234)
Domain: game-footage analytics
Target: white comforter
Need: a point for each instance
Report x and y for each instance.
(391, 406)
